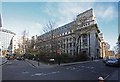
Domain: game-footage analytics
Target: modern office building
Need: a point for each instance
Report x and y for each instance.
(0, 31)
(74, 38)
(6, 39)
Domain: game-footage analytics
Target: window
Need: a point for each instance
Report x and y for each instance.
(64, 46)
(67, 45)
(70, 44)
(70, 51)
(74, 39)
(85, 35)
(64, 40)
(62, 33)
(84, 52)
(67, 51)
(67, 32)
(85, 40)
(67, 39)
(73, 44)
(70, 39)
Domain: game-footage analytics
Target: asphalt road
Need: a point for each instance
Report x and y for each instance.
(22, 70)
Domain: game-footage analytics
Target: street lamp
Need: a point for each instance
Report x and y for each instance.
(0, 49)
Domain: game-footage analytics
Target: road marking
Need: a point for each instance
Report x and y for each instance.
(25, 72)
(43, 74)
(68, 67)
(82, 66)
(92, 68)
(79, 69)
(55, 72)
(31, 64)
(106, 77)
(93, 71)
(37, 74)
(105, 74)
(52, 73)
(96, 60)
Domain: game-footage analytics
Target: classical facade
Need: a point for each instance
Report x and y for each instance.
(74, 38)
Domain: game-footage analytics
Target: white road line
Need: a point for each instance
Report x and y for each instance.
(43, 74)
(37, 74)
(106, 77)
(92, 68)
(30, 64)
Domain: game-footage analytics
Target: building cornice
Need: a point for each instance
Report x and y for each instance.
(7, 31)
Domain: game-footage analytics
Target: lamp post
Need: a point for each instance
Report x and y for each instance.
(0, 49)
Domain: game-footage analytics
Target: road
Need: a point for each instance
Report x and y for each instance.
(22, 70)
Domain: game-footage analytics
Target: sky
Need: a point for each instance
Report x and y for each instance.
(33, 16)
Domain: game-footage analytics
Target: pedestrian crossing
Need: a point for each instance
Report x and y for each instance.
(80, 68)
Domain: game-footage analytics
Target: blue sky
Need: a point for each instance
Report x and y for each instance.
(32, 16)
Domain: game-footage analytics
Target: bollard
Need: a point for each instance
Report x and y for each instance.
(101, 79)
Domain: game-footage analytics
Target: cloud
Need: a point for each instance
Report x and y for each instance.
(68, 11)
(34, 28)
(59, 1)
(107, 13)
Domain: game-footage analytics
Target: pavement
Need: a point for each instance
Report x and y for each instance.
(43, 65)
(3, 61)
(38, 65)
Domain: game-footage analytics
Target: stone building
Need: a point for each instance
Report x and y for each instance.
(74, 38)
(119, 44)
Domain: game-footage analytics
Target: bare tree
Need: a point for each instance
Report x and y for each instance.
(23, 42)
(50, 37)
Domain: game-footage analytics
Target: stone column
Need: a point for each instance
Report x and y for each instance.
(92, 44)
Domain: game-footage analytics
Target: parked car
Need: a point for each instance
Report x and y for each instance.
(112, 62)
(105, 60)
(20, 58)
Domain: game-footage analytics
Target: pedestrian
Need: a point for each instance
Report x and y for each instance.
(59, 60)
(92, 58)
(38, 61)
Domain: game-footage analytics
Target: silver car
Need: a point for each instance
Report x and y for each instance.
(112, 62)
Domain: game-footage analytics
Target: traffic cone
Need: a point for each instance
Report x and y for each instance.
(101, 79)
